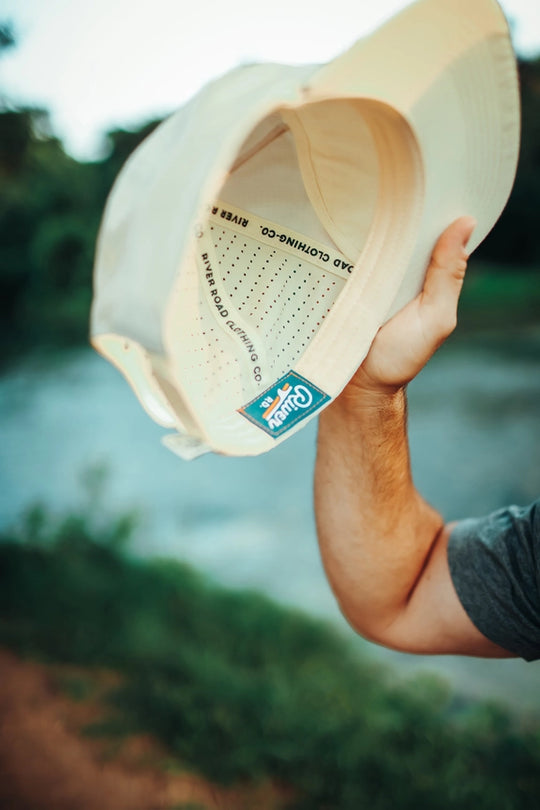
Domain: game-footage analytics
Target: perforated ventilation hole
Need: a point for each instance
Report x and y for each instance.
(207, 360)
(281, 298)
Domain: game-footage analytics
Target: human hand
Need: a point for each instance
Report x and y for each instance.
(405, 343)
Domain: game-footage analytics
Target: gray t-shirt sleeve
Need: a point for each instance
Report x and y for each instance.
(495, 567)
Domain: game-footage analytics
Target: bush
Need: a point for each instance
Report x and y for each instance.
(240, 688)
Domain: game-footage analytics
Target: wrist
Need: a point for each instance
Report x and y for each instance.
(368, 412)
(368, 384)
(365, 395)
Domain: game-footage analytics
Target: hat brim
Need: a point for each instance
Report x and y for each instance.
(439, 85)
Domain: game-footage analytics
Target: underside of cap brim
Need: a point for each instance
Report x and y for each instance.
(244, 313)
(461, 104)
(437, 89)
(448, 67)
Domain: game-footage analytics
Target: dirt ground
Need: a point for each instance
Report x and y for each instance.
(45, 763)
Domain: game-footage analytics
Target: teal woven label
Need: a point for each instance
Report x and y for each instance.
(284, 404)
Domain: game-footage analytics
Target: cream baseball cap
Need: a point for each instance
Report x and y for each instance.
(255, 242)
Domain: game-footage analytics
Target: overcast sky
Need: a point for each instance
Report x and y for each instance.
(97, 64)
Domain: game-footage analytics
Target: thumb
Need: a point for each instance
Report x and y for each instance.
(445, 274)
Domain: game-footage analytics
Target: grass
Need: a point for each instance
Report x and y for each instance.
(240, 689)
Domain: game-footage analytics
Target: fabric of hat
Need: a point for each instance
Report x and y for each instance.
(256, 241)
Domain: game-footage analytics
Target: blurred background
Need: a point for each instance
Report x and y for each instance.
(167, 637)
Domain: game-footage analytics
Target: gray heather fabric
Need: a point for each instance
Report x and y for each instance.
(495, 567)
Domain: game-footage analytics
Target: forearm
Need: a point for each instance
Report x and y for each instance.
(384, 548)
(375, 530)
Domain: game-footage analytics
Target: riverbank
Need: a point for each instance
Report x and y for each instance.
(230, 687)
(475, 441)
(48, 762)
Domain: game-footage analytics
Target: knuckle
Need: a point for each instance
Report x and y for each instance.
(438, 260)
(441, 261)
(448, 323)
(444, 321)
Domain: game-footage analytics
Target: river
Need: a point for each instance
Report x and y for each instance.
(474, 421)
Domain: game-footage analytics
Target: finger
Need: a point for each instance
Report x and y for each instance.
(445, 274)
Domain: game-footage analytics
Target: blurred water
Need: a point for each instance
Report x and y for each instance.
(475, 443)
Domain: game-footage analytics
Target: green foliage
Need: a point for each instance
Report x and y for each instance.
(50, 209)
(240, 688)
(7, 36)
(492, 295)
(49, 213)
(78, 688)
(515, 238)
